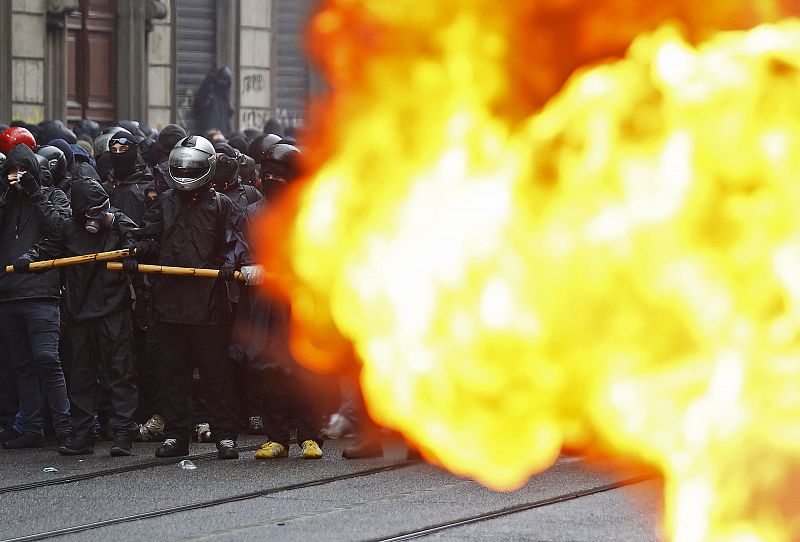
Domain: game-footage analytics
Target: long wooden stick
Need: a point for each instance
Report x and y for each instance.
(74, 260)
(178, 271)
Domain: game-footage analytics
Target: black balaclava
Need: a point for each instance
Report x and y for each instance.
(89, 198)
(226, 175)
(124, 164)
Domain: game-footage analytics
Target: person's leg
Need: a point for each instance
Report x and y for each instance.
(147, 369)
(78, 338)
(369, 442)
(150, 385)
(176, 373)
(9, 400)
(276, 394)
(42, 322)
(115, 349)
(14, 335)
(305, 389)
(210, 345)
(277, 424)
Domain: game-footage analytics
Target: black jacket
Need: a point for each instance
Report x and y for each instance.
(260, 335)
(91, 290)
(189, 232)
(242, 195)
(129, 196)
(25, 221)
(162, 181)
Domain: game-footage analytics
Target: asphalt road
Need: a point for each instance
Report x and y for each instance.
(294, 499)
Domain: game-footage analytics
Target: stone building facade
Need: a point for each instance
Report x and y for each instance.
(144, 59)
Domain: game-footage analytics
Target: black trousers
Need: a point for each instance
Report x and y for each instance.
(102, 345)
(148, 372)
(291, 399)
(9, 400)
(29, 329)
(184, 347)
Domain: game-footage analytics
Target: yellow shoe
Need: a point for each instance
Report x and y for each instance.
(271, 450)
(311, 449)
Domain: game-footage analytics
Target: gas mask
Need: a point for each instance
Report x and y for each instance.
(99, 217)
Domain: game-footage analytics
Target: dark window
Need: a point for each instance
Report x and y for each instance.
(91, 51)
(195, 50)
(292, 73)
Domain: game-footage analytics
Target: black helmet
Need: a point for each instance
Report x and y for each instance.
(56, 161)
(44, 165)
(227, 172)
(87, 127)
(259, 146)
(281, 161)
(2, 159)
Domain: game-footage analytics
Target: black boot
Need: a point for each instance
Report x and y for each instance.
(25, 440)
(73, 445)
(123, 442)
(173, 448)
(8, 434)
(227, 449)
(366, 446)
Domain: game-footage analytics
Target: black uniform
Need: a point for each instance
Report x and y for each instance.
(97, 311)
(161, 178)
(187, 229)
(29, 314)
(241, 195)
(261, 337)
(128, 195)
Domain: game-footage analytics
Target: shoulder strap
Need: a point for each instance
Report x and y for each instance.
(251, 192)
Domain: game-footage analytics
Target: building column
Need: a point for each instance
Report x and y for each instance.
(131, 59)
(55, 103)
(5, 62)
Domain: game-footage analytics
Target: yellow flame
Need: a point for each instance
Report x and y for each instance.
(623, 265)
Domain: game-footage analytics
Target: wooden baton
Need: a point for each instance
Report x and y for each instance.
(176, 271)
(75, 260)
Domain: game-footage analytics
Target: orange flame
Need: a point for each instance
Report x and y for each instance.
(622, 265)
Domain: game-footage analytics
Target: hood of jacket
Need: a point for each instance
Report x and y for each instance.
(22, 157)
(85, 194)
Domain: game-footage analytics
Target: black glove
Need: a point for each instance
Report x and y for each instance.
(130, 265)
(29, 184)
(227, 274)
(22, 265)
(142, 249)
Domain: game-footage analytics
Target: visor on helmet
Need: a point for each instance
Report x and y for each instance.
(188, 172)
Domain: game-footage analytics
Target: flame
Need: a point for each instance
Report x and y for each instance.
(622, 265)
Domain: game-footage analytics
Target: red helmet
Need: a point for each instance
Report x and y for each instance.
(13, 137)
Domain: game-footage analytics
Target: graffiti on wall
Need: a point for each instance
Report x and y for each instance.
(253, 84)
(256, 118)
